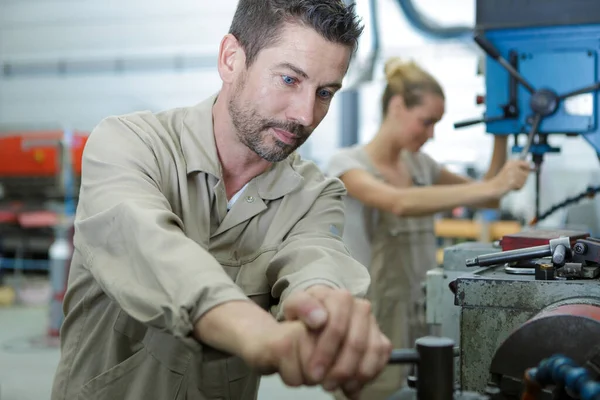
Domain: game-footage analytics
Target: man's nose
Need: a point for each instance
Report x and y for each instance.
(303, 109)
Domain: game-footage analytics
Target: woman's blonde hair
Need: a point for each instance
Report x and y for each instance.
(408, 80)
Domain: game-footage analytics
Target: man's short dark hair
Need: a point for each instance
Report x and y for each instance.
(257, 24)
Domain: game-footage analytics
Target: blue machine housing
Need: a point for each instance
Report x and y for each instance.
(555, 44)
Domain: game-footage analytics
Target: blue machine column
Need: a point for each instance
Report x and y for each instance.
(550, 57)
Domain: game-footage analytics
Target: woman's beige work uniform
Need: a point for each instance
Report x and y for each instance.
(156, 248)
(398, 252)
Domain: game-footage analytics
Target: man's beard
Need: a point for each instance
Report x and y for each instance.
(252, 130)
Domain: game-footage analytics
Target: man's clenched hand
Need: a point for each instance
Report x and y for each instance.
(349, 349)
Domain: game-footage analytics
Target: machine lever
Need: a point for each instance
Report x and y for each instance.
(510, 256)
(537, 119)
(411, 356)
(587, 89)
(470, 122)
(559, 249)
(491, 51)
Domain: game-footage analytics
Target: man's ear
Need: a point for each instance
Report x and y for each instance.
(231, 58)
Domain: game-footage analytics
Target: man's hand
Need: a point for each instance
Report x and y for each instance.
(243, 329)
(285, 348)
(350, 350)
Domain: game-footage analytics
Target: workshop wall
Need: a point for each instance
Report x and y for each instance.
(73, 63)
(68, 63)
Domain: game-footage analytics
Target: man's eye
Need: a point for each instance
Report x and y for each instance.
(325, 94)
(288, 80)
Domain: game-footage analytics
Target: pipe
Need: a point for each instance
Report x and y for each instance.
(431, 29)
(350, 97)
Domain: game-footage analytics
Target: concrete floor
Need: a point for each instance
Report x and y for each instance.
(27, 362)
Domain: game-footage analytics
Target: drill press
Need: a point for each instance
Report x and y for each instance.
(541, 74)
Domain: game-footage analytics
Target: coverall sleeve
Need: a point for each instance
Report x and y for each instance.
(133, 243)
(314, 253)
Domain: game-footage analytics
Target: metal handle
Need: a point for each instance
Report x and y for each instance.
(470, 122)
(411, 356)
(587, 89)
(537, 119)
(491, 51)
(510, 256)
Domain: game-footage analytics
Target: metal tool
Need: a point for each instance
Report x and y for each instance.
(559, 249)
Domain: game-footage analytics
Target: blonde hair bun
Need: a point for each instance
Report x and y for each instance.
(397, 69)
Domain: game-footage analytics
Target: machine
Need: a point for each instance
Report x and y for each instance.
(525, 312)
(39, 176)
(538, 298)
(526, 320)
(541, 75)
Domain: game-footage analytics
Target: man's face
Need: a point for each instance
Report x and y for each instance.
(284, 95)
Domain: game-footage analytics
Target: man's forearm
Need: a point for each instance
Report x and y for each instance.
(230, 326)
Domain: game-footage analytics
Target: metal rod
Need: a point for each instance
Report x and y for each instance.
(491, 51)
(537, 119)
(537, 187)
(411, 356)
(485, 120)
(404, 356)
(513, 85)
(435, 377)
(510, 256)
(587, 89)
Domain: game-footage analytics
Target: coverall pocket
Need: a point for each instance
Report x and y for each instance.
(252, 279)
(140, 376)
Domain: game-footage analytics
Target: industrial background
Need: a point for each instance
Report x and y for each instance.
(65, 65)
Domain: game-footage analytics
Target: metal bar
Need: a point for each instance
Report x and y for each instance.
(404, 356)
(587, 89)
(435, 379)
(411, 356)
(510, 256)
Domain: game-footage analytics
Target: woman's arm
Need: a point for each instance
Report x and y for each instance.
(416, 201)
(447, 177)
(498, 157)
(498, 160)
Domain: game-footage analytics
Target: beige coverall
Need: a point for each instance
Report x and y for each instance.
(155, 248)
(398, 254)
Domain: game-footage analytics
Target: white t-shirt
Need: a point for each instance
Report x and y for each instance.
(235, 197)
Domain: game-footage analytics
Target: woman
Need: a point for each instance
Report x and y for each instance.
(393, 192)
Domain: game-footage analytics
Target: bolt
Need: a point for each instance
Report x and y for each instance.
(580, 248)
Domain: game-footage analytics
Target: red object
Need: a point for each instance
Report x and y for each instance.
(38, 219)
(480, 99)
(8, 217)
(26, 154)
(579, 310)
(526, 239)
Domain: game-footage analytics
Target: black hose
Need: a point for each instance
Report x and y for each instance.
(590, 192)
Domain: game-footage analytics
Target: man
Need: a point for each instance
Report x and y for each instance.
(193, 222)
